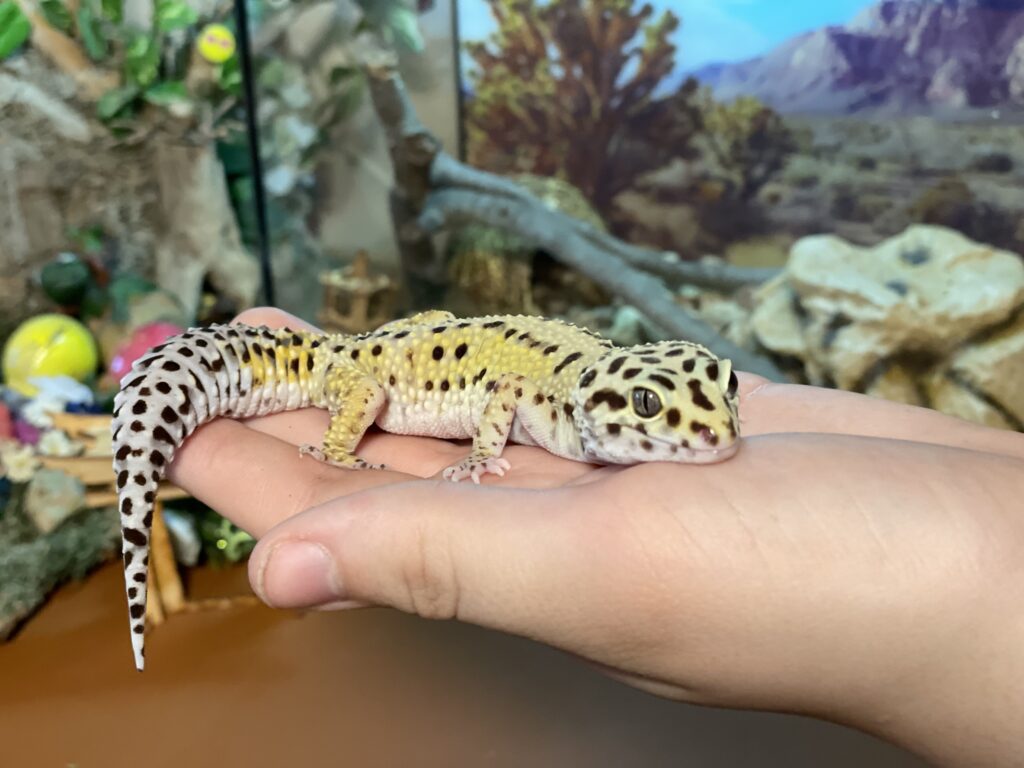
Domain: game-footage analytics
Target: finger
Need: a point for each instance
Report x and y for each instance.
(767, 407)
(504, 558)
(256, 480)
(273, 318)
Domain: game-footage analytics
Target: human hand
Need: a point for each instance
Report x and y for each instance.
(857, 560)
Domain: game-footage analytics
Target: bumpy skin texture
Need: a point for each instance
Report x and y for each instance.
(526, 379)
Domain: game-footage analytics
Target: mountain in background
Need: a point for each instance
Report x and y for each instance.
(895, 57)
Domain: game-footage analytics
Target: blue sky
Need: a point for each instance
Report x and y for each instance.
(714, 30)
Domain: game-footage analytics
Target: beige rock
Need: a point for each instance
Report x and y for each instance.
(994, 368)
(897, 383)
(926, 290)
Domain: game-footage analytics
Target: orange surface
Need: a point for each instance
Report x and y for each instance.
(255, 687)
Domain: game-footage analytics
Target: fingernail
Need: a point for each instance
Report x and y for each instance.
(298, 574)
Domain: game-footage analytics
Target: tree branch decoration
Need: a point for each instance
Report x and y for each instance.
(434, 191)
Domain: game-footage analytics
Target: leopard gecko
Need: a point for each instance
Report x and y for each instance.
(531, 380)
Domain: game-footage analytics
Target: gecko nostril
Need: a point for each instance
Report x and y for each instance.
(709, 436)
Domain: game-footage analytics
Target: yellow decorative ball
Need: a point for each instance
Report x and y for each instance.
(48, 345)
(216, 43)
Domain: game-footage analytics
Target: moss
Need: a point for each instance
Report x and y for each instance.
(32, 565)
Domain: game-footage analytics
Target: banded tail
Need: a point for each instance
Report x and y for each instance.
(223, 370)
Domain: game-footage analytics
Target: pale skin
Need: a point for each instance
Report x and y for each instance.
(857, 560)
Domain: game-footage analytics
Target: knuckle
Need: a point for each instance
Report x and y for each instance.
(429, 574)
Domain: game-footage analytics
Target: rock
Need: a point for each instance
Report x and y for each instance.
(52, 497)
(55, 442)
(927, 290)
(18, 462)
(928, 317)
(627, 327)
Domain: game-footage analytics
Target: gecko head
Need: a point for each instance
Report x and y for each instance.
(669, 401)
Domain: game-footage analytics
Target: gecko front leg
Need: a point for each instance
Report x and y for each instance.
(510, 396)
(354, 401)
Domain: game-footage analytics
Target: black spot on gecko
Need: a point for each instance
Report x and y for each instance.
(538, 399)
(159, 433)
(294, 365)
(148, 519)
(122, 477)
(136, 610)
(355, 354)
(309, 363)
(698, 396)
(672, 417)
(688, 365)
(445, 386)
(377, 349)
(712, 371)
(140, 479)
(401, 334)
(650, 360)
(614, 429)
(202, 343)
(149, 497)
(132, 592)
(495, 324)
(128, 556)
(463, 324)
(135, 382)
(571, 358)
(665, 382)
(519, 393)
(217, 365)
(629, 373)
(168, 415)
(391, 380)
(440, 329)
(678, 351)
(141, 577)
(296, 339)
(588, 378)
(617, 363)
(510, 333)
(438, 352)
(613, 399)
(491, 385)
(460, 351)
(170, 365)
(647, 445)
(122, 453)
(429, 385)
(462, 382)
(157, 459)
(137, 426)
(133, 535)
(185, 352)
(567, 409)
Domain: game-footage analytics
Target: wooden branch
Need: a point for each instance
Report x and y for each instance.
(448, 172)
(413, 149)
(68, 57)
(436, 191)
(545, 227)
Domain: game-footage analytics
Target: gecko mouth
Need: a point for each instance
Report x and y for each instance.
(684, 453)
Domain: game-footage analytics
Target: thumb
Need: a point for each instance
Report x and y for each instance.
(510, 559)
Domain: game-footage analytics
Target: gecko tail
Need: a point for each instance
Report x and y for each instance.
(227, 370)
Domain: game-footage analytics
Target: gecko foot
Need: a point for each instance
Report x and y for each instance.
(474, 468)
(350, 462)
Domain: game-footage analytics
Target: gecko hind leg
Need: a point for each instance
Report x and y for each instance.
(354, 401)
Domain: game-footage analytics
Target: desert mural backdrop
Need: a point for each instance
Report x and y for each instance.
(734, 127)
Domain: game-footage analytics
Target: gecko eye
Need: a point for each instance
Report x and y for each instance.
(646, 403)
(733, 385)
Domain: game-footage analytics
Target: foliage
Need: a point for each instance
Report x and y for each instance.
(569, 88)
(749, 142)
(14, 28)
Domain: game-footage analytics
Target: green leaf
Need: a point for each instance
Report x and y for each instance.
(230, 76)
(115, 100)
(113, 10)
(401, 22)
(56, 14)
(91, 33)
(173, 14)
(141, 59)
(14, 28)
(166, 94)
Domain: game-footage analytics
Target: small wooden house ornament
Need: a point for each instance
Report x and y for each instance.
(355, 300)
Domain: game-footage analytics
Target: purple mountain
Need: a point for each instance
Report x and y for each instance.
(896, 57)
